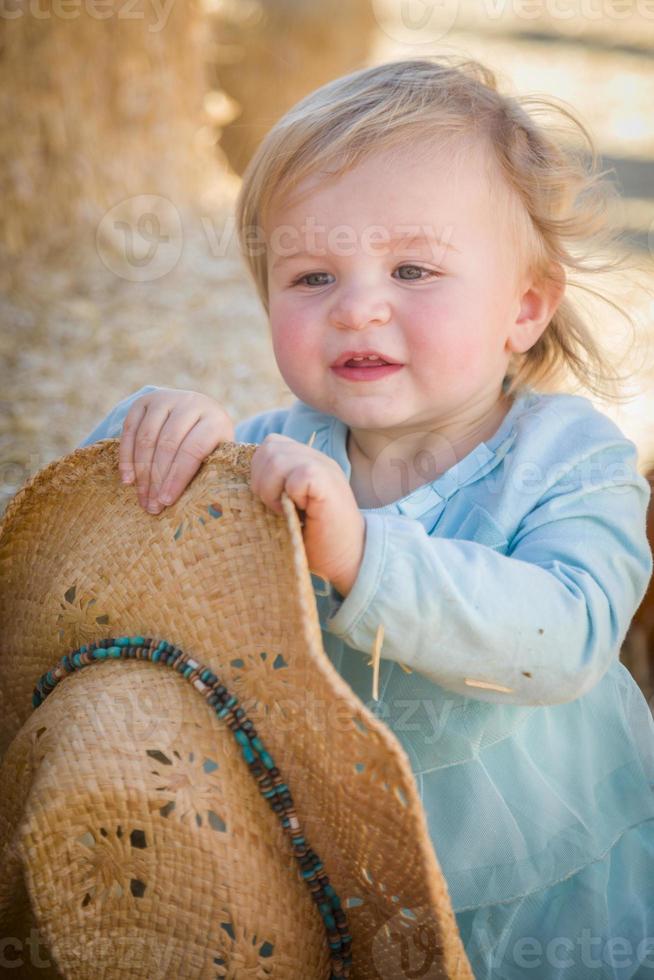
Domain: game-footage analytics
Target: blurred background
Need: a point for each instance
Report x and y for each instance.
(126, 127)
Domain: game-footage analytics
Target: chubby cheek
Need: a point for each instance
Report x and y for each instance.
(438, 342)
(294, 343)
(445, 340)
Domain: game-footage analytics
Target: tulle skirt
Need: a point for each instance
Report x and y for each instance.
(542, 819)
(597, 924)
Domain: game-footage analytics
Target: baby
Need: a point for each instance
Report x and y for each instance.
(410, 231)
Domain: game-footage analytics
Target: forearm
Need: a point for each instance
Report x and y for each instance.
(461, 613)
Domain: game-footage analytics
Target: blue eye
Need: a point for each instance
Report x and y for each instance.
(309, 275)
(419, 268)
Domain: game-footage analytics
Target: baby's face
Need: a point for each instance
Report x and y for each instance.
(345, 275)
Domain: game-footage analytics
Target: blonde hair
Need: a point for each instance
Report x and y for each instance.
(559, 207)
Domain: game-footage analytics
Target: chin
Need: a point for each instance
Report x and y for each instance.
(369, 418)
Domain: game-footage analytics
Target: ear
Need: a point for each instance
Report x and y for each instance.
(538, 304)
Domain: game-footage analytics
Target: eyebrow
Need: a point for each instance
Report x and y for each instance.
(404, 238)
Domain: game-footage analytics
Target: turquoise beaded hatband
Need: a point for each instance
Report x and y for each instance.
(260, 763)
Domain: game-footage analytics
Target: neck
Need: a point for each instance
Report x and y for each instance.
(389, 464)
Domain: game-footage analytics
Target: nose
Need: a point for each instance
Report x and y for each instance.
(358, 309)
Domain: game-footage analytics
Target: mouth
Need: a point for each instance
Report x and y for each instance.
(363, 358)
(360, 371)
(364, 365)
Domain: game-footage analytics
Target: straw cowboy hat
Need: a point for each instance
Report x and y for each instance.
(189, 788)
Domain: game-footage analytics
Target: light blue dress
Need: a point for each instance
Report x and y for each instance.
(520, 568)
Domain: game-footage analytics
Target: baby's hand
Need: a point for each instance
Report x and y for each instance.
(167, 434)
(334, 527)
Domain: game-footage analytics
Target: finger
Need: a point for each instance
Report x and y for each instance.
(146, 438)
(305, 483)
(127, 438)
(267, 474)
(285, 473)
(199, 442)
(272, 461)
(172, 434)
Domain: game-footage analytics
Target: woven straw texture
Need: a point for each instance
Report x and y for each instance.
(132, 835)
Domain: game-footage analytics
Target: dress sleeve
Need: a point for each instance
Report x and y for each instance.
(257, 427)
(111, 426)
(253, 429)
(544, 621)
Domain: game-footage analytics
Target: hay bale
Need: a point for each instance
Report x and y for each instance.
(101, 100)
(268, 54)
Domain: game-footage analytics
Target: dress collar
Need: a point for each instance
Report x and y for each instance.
(427, 501)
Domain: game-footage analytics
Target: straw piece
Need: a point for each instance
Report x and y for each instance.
(487, 685)
(376, 654)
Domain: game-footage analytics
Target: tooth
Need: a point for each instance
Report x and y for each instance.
(367, 357)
